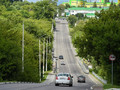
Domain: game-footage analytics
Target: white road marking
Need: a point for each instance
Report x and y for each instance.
(91, 88)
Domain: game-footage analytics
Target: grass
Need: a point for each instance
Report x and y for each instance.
(107, 86)
(8, 81)
(45, 76)
(95, 77)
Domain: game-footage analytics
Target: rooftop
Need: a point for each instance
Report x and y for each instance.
(82, 8)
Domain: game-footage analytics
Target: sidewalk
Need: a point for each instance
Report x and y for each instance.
(113, 89)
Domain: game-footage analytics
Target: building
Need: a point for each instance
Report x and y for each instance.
(89, 12)
(84, 3)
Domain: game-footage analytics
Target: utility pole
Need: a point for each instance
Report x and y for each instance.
(49, 44)
(23, 49)
(43, 54)
(46, 54)
(39, 62)
(52, 28)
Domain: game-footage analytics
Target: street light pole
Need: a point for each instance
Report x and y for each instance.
(43, 55)
(23, 49)
(39, 62)
(46, 54)
(49, 44)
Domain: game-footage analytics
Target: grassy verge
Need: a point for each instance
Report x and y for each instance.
(95, 77)
(8, 81)
(107, 86)
(45, 75)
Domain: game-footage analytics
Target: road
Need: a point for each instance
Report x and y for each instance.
(62, 46)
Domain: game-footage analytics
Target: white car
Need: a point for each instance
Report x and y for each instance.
(63, 78)
(62, 63)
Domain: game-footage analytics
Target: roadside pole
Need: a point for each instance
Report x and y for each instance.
(112, 58)
(39, 62)
(43, 55)
(23, 49)
(112, 73)
(46, 54)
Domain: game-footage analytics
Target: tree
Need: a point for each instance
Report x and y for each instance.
(79, 16)
(98, 39)
(112, 5)
(94, 5)
(72, 20)
(61, 9)
(11, 23)
(44, 9)
(67, 6)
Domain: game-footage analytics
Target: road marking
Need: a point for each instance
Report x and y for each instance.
(92, 79)
(91, 88)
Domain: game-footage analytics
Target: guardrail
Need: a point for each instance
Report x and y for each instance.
(83, 66)
(102, 80)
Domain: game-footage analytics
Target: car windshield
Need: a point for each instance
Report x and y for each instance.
(81, 76)
(63, 75)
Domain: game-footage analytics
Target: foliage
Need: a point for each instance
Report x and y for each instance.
(61, 9)
(94, 5)
(79, 16)
(99, 38)
(108, 86)
(44, 9)
(72, 20)
(11, 25)
(67, 6)
(112, 5)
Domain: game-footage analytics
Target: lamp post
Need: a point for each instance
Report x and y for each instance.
(40, 59)
(46, 54)
(23, 49)
(43, 54)
(39, 62)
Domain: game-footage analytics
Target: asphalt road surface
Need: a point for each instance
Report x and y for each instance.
(62, 46)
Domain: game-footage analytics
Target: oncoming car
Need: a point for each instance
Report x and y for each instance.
(61, 57)
(63, 78)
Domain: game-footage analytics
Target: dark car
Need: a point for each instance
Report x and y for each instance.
(81, 78)
(61, 57)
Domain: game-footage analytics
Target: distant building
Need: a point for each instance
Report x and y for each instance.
(89, 12)
(84, 3)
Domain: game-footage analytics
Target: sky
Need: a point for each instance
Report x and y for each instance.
(32, 0)
(60, 1)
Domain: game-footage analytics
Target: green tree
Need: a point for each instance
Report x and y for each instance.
(67, 6)
(79, 16)
(72, 20)
(61, 9)
(11, 21)
(97, 39)
(44, 9)
(94, 5)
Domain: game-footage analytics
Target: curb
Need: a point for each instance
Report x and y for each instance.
(2, 83)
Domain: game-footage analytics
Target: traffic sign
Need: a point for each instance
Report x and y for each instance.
(112, 57)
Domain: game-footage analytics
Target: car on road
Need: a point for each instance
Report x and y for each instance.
(81, 78)
(61, 57)
(64, 79)
(62, 63)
